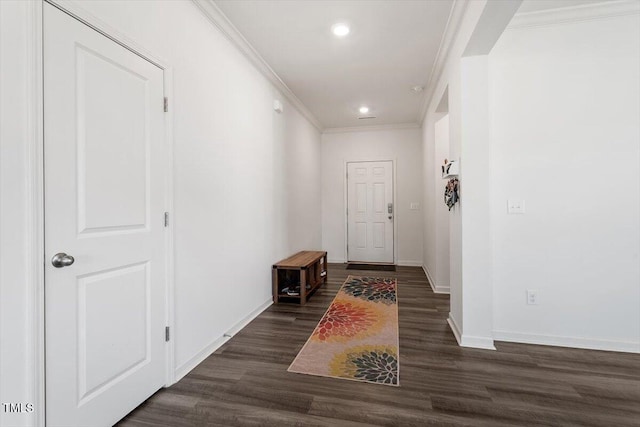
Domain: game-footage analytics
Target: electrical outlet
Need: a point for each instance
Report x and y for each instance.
(515, 206)
(414, 206)
(532, 297)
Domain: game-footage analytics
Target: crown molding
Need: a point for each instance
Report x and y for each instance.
(213, 13)
(372, 128)
(575, 14)
(448, 38)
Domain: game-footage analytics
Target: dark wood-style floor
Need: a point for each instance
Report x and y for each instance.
(246, 383)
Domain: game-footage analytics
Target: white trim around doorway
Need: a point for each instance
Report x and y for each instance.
(394, 162)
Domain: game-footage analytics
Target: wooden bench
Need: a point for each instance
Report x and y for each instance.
(307, 270)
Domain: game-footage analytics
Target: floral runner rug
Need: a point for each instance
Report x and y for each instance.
(357, 338)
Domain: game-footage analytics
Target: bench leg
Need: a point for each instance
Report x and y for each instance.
(303, 286)
(274, 284)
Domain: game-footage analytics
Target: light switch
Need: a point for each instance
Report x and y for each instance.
(515, 206)
(414, 206)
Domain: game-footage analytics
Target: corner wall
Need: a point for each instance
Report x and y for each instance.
(450, 80)
(400, 145)
(566, 139)
(562, 133)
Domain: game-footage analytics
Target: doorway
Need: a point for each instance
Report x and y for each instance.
(370, 212)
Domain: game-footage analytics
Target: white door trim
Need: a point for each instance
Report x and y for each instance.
(35, 208)
(35, 197)
(345, 202)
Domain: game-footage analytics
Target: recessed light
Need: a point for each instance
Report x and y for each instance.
(340, 29)
(417, 89)
(364, 110)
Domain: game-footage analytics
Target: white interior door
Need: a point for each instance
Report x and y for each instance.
(104, 206)
(370, 211)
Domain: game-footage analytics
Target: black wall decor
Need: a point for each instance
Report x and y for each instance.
(451, 194)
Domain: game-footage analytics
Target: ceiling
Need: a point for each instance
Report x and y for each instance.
(391, 48)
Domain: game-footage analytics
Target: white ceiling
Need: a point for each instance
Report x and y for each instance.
(392, 47)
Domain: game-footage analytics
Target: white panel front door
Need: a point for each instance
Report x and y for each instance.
(104, 204)
(370, 211)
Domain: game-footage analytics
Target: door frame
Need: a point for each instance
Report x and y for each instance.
(393, 161)
(35, 189)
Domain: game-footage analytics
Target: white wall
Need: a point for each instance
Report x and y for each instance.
(403, 146)
(563, 103)
(440, 273)
(475, 204)
(429, 195)
(450, 80)
(566, 139)
(301, 182)
(247, 181)
(244, 175)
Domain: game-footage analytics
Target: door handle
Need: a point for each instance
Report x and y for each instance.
(61, 259)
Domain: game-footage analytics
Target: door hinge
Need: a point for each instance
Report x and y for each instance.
(166, 104)
(166, 333)
(166, 219)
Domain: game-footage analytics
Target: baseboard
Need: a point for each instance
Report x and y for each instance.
(208, 350)
(442, 290)
(469, 341)
(573, 342)
(429, 278)
(484, 343)
(410, 263)
(247, 319)
(400, 263)
(188, 366)
(454, 328)
(436, 289)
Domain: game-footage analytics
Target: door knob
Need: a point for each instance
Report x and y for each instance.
(61, 259)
